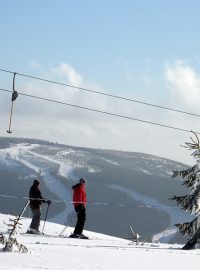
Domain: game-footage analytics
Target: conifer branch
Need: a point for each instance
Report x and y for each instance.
(191, 201)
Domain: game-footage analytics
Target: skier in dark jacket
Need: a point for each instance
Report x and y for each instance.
(36, 200)
(79, 201)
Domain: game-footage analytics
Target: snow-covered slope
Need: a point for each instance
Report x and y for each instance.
(101, 252)
(123, 188)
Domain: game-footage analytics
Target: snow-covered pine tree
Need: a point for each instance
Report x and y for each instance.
(191, 201)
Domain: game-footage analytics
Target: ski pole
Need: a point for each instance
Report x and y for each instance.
(19, 217)
(63, 230)
(45, 217)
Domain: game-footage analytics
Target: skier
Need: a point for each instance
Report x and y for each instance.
(36, 200)
(79, 201)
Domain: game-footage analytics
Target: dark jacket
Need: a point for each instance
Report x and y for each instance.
(79, 196)
(36, 194)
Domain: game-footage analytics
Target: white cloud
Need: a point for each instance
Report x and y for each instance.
(184, 83)
(69, 73)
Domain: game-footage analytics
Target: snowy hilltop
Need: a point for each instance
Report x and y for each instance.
(100, 252)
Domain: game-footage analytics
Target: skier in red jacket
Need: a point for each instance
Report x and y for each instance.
(79, 201)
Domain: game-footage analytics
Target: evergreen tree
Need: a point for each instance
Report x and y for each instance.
(191, 201)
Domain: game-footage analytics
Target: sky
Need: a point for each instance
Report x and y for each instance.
(145, 50)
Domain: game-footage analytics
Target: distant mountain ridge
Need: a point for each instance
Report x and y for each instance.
(123, 188)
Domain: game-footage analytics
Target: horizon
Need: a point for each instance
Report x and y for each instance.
(93, 148)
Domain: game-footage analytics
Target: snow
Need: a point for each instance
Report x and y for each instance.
(100, 252)
(110, 161)
(146, 171)
(175, 214)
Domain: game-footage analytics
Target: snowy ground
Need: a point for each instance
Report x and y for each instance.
(101, 252)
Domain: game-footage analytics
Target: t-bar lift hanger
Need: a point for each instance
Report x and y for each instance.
(14, 97)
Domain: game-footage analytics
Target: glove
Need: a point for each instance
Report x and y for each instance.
(48, 202)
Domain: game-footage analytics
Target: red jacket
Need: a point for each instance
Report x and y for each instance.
(79, 195)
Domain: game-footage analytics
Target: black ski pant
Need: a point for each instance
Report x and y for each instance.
(81, 217)
(35, 223)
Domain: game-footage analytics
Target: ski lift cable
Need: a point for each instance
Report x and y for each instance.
(141, 205)
(101, 93)
(102, 112)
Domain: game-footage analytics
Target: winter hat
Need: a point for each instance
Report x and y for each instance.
(36, 182)
(82, 180)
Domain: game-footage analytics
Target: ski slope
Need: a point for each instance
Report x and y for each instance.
(101, 252)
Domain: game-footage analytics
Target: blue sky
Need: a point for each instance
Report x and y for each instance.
(98, 37)
(147, 50)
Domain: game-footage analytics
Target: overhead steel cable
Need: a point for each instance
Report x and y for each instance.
(101, 93)
(100, 111)
(118, 204)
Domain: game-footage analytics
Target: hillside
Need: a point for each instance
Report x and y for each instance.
(123, 188)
